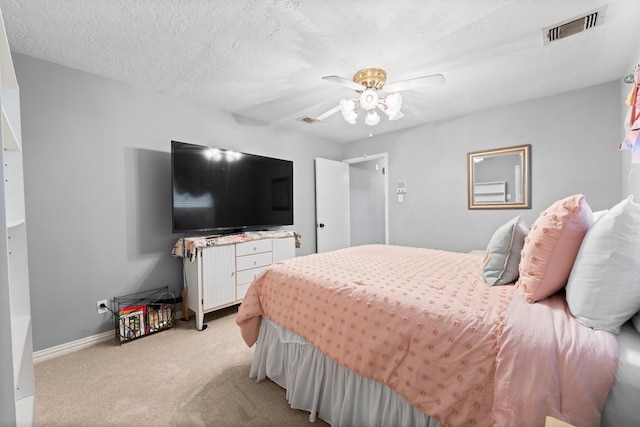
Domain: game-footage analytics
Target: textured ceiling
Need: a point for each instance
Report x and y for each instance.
(264, 60)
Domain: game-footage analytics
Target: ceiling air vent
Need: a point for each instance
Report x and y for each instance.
(308, 119)
(574, 25)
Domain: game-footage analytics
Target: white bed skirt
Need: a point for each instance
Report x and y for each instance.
(317, 384)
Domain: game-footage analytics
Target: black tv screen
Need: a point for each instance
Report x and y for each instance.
(226, 191)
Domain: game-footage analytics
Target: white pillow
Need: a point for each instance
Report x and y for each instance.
(603, 290)
(598, 214)
(502, 256)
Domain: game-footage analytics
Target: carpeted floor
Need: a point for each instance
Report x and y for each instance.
(178, 377)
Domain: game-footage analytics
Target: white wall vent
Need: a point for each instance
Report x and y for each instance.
(574, 25)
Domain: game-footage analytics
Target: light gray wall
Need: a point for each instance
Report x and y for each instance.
(573, 136)
(97, 184)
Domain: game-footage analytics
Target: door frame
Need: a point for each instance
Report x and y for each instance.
(369, 158)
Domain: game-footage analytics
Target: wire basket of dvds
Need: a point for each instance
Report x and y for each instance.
(144, 313)
(160, 316)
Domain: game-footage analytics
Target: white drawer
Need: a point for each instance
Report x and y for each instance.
(245, 277)
(252, 261)
(253, 247)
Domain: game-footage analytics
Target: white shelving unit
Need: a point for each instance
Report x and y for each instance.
(17, 404)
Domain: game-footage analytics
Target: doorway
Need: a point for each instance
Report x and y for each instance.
(368, 199)
(352, 206)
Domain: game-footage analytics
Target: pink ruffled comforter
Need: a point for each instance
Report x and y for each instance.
(424, 323)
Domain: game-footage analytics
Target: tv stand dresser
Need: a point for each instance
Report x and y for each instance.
(219, 269)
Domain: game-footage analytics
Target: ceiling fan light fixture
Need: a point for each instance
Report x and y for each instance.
(393, 102)
(348, 110)
(369, 98)
(391, 114)
(373, 118)
(367, 83)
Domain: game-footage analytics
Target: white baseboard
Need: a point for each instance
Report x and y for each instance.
(70, 347)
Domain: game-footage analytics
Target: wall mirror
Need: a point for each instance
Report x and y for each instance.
(500, 178)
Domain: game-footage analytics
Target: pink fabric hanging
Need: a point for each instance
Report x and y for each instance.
(632, 140)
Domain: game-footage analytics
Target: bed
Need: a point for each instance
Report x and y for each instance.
(392, 335)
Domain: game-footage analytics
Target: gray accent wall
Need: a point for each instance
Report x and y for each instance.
(97, 184)
(574, 138)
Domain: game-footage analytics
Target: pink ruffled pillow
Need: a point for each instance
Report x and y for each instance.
(551, 247)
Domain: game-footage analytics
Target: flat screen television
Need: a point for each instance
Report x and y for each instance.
(216, 190)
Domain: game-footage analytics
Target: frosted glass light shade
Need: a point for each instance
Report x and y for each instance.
(369, 99)
(348, 109)
(393, 102)
(373, 118)
(391, 114)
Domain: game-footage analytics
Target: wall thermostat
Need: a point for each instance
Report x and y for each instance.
(402, 187)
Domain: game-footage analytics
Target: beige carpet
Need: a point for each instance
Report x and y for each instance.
(178, 377)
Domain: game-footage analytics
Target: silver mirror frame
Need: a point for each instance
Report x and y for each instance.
(497, 201)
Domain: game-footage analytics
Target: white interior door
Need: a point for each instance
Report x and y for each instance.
(332, 205)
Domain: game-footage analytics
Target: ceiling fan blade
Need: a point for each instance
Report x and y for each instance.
(321, 117)
(344, 82)
(328, 113)
(432, 80)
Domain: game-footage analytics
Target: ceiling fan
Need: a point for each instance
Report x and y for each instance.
(374, 93)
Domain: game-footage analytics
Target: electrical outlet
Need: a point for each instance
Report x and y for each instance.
(100, 309)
